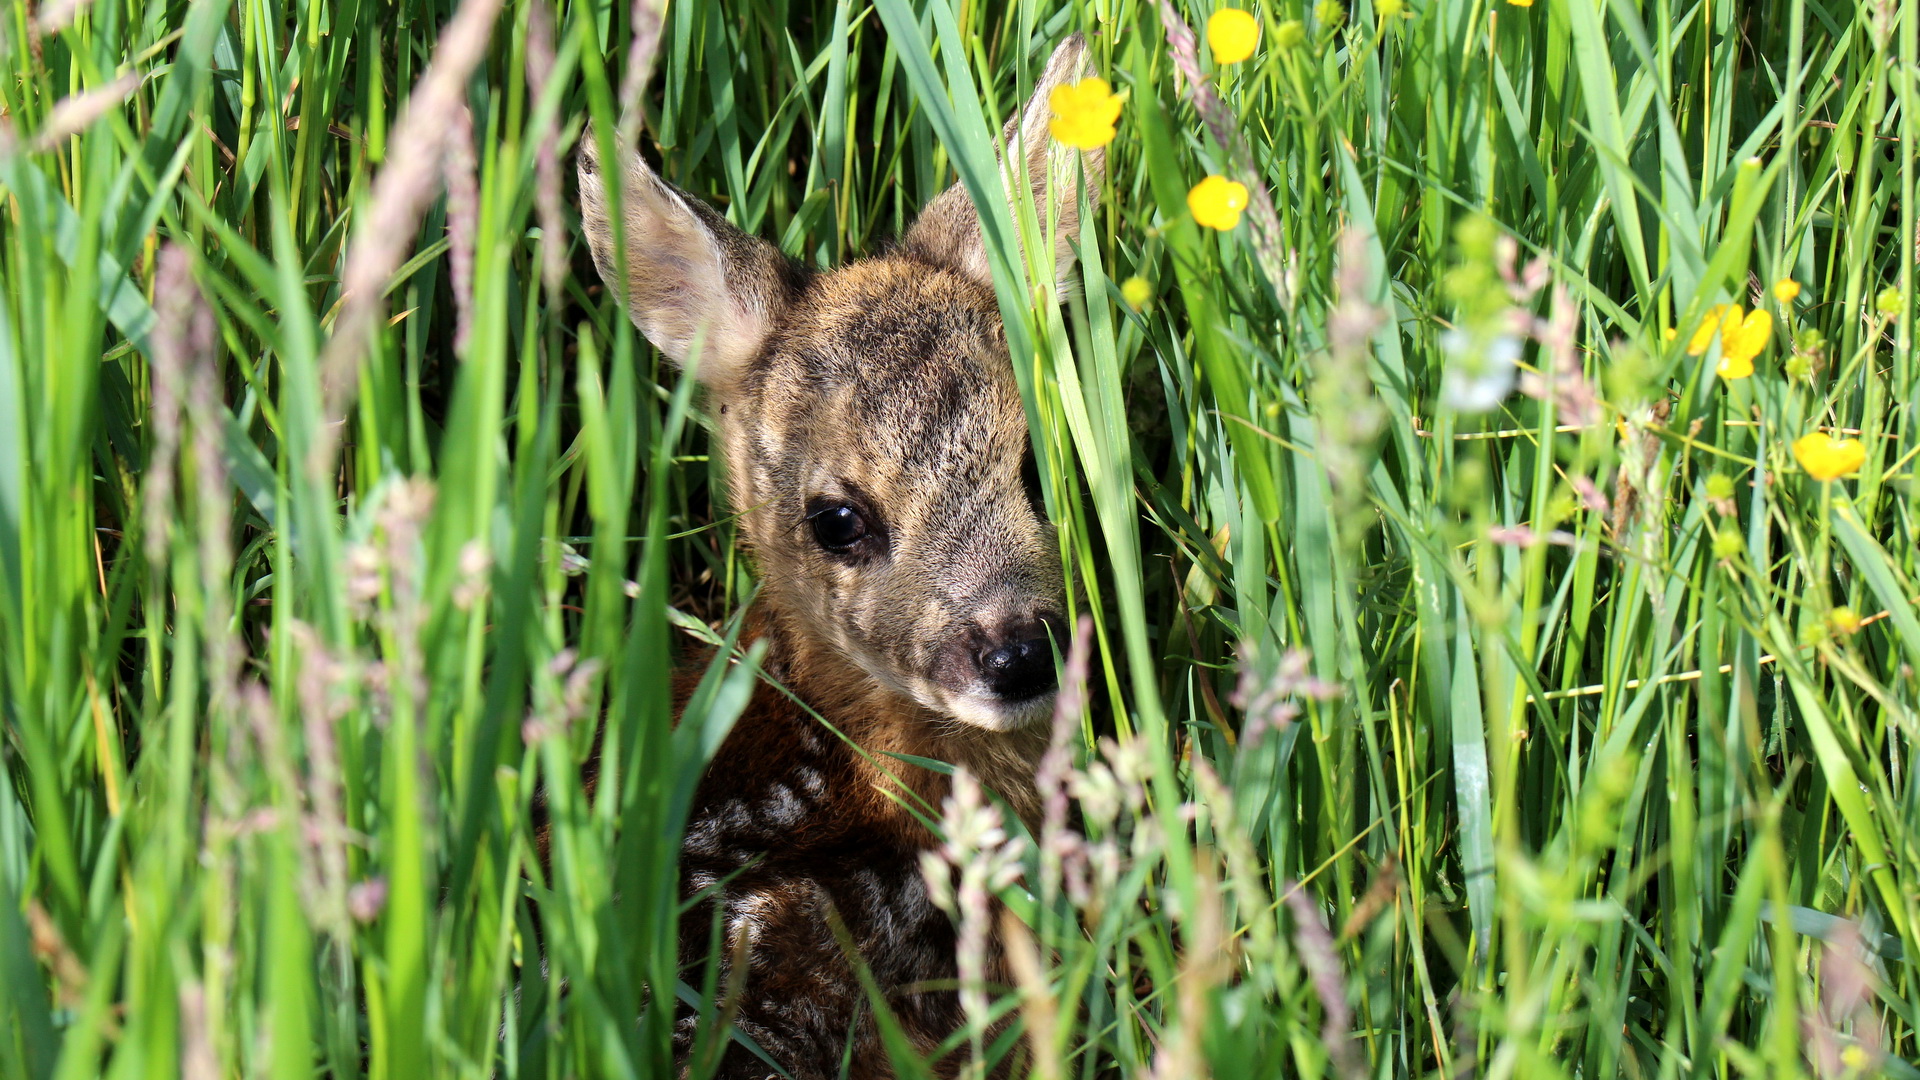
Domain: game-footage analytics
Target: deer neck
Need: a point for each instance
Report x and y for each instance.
(883, 726)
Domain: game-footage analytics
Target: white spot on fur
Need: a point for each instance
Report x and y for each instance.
(747, 915)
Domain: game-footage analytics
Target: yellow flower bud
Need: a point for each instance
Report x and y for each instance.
(1136, 291)
(1786, 290)
(1844, 620)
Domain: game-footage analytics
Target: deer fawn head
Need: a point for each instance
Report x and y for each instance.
(874, 436)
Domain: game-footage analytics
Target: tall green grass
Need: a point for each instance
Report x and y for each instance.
(1575, 737)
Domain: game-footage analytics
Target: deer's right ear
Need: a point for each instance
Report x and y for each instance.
(689, 274)
(948, 230)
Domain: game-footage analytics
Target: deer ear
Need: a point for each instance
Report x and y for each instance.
(689, 274)
(948, 230)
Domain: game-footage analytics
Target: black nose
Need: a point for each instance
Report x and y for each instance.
(1017, 663)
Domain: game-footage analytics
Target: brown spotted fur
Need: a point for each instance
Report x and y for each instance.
(884, 386)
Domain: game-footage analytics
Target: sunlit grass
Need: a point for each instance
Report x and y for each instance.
(1467, 718)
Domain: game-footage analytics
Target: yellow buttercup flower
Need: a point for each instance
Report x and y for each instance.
(1786, 290)
(1521, 3)
(1743, 335)
(1232, 35)
(1720, 319)
(1827, 458)
(1749, 340)
(1216, 202)
(1136, 291)
(1084, 113)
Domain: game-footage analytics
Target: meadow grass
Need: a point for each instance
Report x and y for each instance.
(1454, 727)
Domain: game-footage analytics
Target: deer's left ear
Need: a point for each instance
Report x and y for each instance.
(948, 230)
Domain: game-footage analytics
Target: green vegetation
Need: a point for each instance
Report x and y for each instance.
(1571, 737)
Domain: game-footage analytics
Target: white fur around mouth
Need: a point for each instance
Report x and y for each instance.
(993, 714)
(970, 707)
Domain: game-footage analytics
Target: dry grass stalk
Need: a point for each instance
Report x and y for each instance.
(1268, 246)
(197, 1059)
(1204, 967)
(401, 193)
(648, 19)
(547, 198)
(167, 352)
(1310, 936)
(463, 220)
(56, 16)
(1038, 1008)
(75, 113)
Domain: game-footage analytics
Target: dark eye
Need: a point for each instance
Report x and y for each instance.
(838, 528)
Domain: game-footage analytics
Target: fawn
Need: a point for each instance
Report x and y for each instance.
(876, 445)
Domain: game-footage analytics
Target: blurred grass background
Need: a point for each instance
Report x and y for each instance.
(1460, 730)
